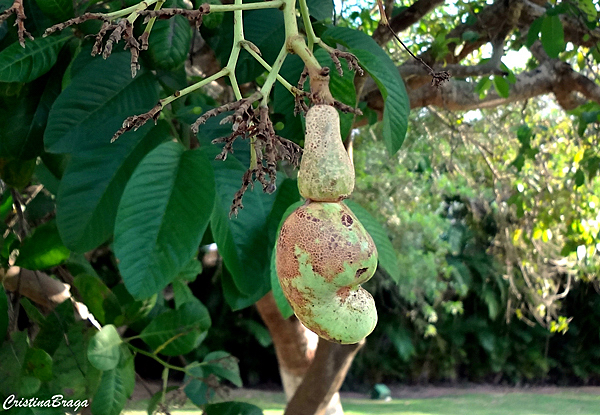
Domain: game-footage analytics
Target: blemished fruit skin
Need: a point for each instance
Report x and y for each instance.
(326, 172)
(323, 253)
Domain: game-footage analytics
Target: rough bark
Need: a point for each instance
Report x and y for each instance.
(494, 23)
(323, 379)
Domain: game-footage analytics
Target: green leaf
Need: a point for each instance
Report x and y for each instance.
(58, 10)
(50, 338)
(553, 36)
(92, 185)
(223, 365)
(385, 74)
(157, 397)
(320, 9)
(240, 239)
(197, 390)
(191, 270)
(98, 298)
(12, 355)
(385, 250)
(3, 315)
(534, 31)
(170, 43)
(164, 211)
(236, 299)
(103, 350)
(482, 86)
(18, 64)
(588, 8)
(111, 395)
(38, 363)
(524, 134)
(501, 85)
(176, 332)
(73, 376)
(182, 293)
(579, 178)
(232, 408)
(43, 249)
(17, 117)
(79, 118)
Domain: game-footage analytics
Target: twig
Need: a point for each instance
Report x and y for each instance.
(437, 78)
(18, 10)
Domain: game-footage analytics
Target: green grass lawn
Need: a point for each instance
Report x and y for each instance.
(513, 403)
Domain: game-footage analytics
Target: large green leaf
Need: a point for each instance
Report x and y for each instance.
(320, 9)
(12, 356)
(72, 374)
(97, 297)
(92, 108)
(17, 115)
(241, 240)
(58, 10)
(104, 348)
(38, 364)
(164, 211)
(233, 408)
(111, 395)
(93, 183)
(170, 43)
(385, 250)
(51, 334)
(18, 64)
(553, 36)
(236, 299)
(385, 74)
(176, 332)
(43, 249)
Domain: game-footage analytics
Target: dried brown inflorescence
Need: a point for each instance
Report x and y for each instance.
(300, 105)
(136, 121)
(19, 12)
(268, 147)
(123, 29)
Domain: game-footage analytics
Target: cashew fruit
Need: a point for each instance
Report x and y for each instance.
(326, 173)
(323, 253)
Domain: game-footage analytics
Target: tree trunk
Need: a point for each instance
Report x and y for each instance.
(323, 379)
(295, 347)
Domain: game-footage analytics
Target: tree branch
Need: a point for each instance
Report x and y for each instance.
(552, 76)
(405, 19)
